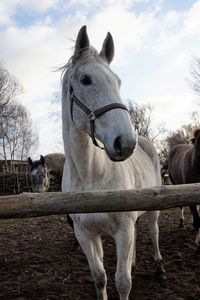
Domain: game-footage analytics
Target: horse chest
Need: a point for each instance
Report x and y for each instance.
(109, 223)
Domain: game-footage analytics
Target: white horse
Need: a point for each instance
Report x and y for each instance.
(91, 110)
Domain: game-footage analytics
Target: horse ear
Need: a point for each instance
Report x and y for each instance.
(30, 162)
(42, 160)
(82, 40)
(108, 48)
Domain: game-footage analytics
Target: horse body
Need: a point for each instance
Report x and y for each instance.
(55, 164)
(89, 168)
(125, 162)
(184, 167)
(45, 171)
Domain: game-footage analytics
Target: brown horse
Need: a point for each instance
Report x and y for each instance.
(46, 175)
(184, 167)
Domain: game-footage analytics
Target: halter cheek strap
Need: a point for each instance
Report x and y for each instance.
(92, 115)
(47, 186)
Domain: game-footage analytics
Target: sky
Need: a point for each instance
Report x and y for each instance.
(155, 42)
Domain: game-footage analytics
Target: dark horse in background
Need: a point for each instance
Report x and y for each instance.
(46, 175)
(47, 171)
(184, 167)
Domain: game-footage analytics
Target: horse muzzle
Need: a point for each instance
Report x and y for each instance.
(121, 148)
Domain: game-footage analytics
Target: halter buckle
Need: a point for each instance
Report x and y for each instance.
(92, 116)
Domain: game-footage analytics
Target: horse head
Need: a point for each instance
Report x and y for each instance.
(39, 175)
(92, 90)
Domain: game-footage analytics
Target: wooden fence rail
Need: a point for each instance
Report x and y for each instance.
(156, 198)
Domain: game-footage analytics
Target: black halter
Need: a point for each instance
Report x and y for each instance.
(93, 115)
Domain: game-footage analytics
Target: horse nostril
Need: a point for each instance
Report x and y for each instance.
(123, 147)
(118, 144)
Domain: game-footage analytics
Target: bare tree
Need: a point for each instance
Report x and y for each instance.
(16, 135)
(7, 122)
(182, 135)
(23, 136)
(9, 87)
(195, 72)
(195, 119)
(163, 149)
(141, 117)
(28, 138)
(55, 116)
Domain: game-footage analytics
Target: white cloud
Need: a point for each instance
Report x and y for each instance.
(50, 137)
(173, 109)
(41, 5)
(192, 21)
(8, 8)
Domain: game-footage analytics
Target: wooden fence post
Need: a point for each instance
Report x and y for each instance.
(43, 204)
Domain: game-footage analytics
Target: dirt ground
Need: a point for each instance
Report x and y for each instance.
(38, 261)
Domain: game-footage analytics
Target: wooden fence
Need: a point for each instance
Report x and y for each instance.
(14, 182)
(43, 204)
(14, 177)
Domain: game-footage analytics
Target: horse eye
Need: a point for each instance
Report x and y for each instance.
(86, 80)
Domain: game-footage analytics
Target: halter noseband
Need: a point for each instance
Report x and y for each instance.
(93, 115)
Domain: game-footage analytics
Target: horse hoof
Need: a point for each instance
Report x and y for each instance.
(160, 272)
(163, 276)
(198, 250)
(181, 223)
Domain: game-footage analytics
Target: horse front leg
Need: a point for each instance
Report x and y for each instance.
(195, 216)
(196, 224)
(181, 218)
(124, 240)
(134, 245)
(92, 247)
(197, 241)
(154, 233)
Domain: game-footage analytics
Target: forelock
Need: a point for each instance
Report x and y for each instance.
(79, 59)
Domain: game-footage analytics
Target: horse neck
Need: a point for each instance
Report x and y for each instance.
(48, 183)
(47, 187)
(196, 151)
(84, 160)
